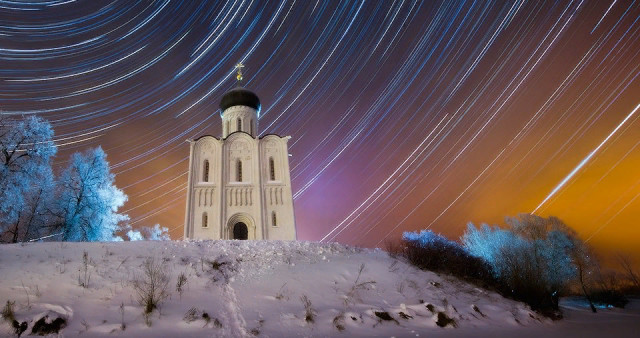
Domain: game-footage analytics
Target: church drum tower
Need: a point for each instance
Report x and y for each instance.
(239, 185)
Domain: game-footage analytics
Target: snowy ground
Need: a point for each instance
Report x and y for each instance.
(251, 288)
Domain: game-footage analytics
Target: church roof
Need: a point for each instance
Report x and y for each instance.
(243, 132)
(240, 96)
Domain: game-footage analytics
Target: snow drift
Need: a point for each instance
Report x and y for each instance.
(243, 288)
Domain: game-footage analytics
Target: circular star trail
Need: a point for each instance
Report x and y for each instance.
(404, 115)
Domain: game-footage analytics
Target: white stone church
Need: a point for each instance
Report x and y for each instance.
(239, 185)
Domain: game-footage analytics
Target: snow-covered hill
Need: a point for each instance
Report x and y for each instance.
(245, 288)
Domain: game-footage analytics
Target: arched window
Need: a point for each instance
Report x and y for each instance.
(274, 221)
(205, 220)
(239, 170)
(228, 129)
(205, 171)
(272, 169)
(239, 126)
(251, 126)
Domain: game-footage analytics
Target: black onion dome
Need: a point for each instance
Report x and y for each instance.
(240, 97)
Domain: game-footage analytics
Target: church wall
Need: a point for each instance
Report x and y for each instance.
(206, 193)
(276, 188)
(188, 217)
(241, 198)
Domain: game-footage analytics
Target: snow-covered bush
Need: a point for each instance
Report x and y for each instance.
(135, 235)
(434, 252)
(155, 233)
(429, 238)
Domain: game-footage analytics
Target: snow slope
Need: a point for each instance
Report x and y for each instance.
(247, 288)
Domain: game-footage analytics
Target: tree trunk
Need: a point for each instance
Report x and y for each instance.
(14, 239)
(584, 290)
(34, 209)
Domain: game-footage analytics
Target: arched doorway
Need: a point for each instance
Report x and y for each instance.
(240, 226)
(240, 231)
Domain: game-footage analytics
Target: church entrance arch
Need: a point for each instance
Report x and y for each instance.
(240, 226)
(240, 231)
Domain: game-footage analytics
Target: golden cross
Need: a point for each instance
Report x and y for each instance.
(239, 67)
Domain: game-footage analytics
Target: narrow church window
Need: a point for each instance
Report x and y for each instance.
(274, 221)
(272, 169)
(239, 171)
(239, 126)
(228, 130)
(205, 220)
(251, 125)
(205, 171)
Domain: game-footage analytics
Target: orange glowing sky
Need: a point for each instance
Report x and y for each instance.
(404, 115)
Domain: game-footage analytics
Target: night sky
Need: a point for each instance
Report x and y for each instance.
(404, 115)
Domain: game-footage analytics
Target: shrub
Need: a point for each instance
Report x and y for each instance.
(182, 281)
(8, 312)
(191, 315)
(9, 315)
(152, 288)
(608, 298)
(434, 252)
(309, 313)
(338, 322)
(280, 295)
(353, 293)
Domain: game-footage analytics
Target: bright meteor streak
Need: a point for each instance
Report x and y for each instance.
(585, 160)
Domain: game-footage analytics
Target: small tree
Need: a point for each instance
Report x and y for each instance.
(88, 199)
(585, 267)
(157, 233)
(626, 263)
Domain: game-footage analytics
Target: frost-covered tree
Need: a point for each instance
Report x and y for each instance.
(493, 244)
(536, 257)
(155, 233)
(88, 199)
(36, 219)
(26, 148)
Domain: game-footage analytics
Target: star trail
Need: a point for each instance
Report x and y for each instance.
(404, 115)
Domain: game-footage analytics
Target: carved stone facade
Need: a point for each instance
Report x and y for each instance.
(239, 185)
